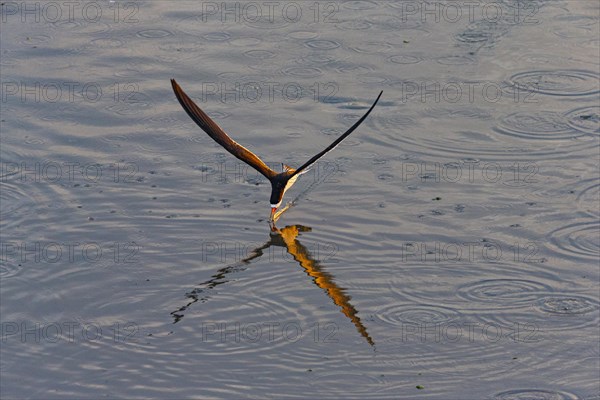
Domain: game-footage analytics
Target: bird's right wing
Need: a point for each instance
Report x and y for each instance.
(214, 131)
(309, 163)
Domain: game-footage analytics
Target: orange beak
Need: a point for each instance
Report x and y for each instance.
(273, 209)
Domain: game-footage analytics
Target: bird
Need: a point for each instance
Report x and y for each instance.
(280, 182)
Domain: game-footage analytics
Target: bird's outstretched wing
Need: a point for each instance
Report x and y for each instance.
(337, 141)
(214, 131)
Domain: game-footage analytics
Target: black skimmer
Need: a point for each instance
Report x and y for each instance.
(280, 182)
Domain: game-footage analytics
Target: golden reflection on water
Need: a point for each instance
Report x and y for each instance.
(286, 237)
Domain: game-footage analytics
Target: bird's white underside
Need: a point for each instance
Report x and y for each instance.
(287, 186)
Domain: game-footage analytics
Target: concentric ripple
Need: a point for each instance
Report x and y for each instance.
(473, 36)
(82, 26)
(264, 22)
(567, 305)
(9, 268)
(107, 43)
(568, 82)
(36, 39)
(405, 59)
(316, 59)
(322, 44)
(392, 21)
(441, 343)
(399, 315)
(217, 36)
(589, 198)
(154, 33)
(585, 119)
(302, 72)
(245, 41)
(456, 60)
(354, 25)
(373, 48)
(540, 125)
(503, 292)
(13, 201)
(547, 312)
(158, 144)
(259, 54)
(534, 394)
(482, 33)
(461, 143)
(331, 384)
(580, 20)
(372, 78)
(164, 120)
(253, 332)
(580, 240)
(302, 35)
(585, 192)
(359, 5)
(134, 104)
(218, 114)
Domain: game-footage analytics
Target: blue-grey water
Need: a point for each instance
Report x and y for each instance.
(448, 249)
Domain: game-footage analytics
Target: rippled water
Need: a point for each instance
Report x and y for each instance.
(447, 249)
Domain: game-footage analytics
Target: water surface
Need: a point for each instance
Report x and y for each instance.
(447, 249)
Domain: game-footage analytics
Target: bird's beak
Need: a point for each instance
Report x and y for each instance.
(273, 209)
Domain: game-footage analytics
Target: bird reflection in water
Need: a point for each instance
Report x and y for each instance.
(286, 237)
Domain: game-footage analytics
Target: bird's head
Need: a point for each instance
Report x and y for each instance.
(274, 208)
(278, 188)
(276, 199)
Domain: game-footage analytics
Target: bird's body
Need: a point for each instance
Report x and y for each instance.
(280, 182)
